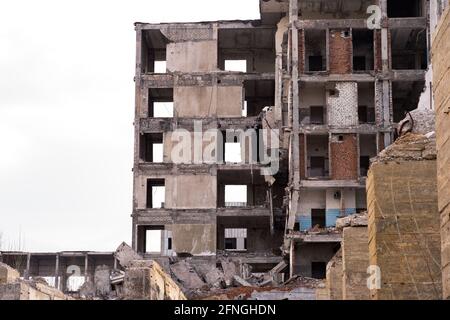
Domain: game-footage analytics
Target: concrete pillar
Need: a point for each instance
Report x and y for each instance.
(57, 272)
(86, 266)
(27, 270)
(292, 259)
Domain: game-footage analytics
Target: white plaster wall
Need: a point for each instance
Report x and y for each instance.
(312, 199)
(349, 198)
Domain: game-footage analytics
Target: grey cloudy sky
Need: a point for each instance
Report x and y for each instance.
(66, 114)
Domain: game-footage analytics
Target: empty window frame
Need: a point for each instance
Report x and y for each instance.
(247, 50)
(315, 50)
(409, 49)
(317, 155)
(156, 193)
(236, 239)
(151, 147)
(318, 270)
(399, 8)
(153, 241)
(405, 97)
(160, 67)
(363, 51)
(160, 103)
(312, 103)
(236, 65)
(236, 195)
(366, 103)
(318, 218)
(317, 115)
(232, 150)
(153, 53)
(367, 150)
(258, 95)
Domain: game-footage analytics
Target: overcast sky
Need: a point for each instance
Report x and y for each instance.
(66, 114)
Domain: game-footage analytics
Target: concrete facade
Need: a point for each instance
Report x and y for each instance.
(441, 58)
(404, 232)
(333, 88)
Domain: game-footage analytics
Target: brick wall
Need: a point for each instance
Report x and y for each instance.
(441, 81)
(341, 48)
(344, 162)
(355, 261)
(404, 233)
(301, 51)
(377, 48)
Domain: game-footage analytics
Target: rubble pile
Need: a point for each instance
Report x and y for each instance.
(408, 147)
(354, 220)
(12, 287)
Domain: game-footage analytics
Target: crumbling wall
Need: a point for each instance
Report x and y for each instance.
(340, 43)
(146, 280)
(14, 288)
(441, 81)
(355, 261)
(194, 239)
(404, 233)
(334, 277)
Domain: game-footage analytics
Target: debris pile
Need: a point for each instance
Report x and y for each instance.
(410, 146)
(12, 287)
(354, 220)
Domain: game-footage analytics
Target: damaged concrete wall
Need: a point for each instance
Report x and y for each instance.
(355, 261)
(404, 233)
(334, 279)
(14, 288)
(195, 239)
(191, 191)
(146, 280)
(197, 102)
(441, 62)
(192, 56)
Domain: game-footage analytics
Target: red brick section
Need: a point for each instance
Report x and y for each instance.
(302, 157)
(340, 51)
(377, 46)
(301, 51)
(344, 164)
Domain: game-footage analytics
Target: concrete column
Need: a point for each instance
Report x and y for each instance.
(27, 270)
(57, 272)
(86, 266)
(292, 259)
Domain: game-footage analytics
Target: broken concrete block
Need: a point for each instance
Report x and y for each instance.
(229, 271)
(102, 281)
(150, 283)
(87, 290)
(187, 275)
(125, 255)
(241, 281)
(8, 274)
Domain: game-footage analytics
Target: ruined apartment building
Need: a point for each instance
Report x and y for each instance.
(312, 71)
